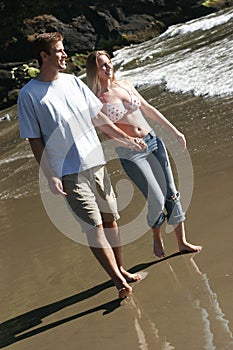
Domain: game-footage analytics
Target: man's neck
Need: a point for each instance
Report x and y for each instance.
(45, 76)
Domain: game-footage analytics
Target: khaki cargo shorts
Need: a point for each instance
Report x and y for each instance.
(91, 197)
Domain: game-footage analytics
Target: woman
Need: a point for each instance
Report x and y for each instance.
(150, 170)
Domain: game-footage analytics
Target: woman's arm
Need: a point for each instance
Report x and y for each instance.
(152, 113)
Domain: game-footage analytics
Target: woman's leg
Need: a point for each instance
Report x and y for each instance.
(183, 245)
(160, 165)
(158, 246)
(140, 172)
(173, 206)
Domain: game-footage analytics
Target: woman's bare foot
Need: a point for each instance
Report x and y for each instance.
(182, 242)
(158, 244)
(159, 248)
(130, 277)
(189, 247)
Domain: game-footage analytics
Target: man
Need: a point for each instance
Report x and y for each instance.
(56, 114)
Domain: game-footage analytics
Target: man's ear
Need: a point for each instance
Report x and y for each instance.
(43, 55)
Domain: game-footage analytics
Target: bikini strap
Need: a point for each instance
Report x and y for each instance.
(103, 98)
(122, 87)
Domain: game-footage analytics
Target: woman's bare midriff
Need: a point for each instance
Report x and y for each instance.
(140, 128)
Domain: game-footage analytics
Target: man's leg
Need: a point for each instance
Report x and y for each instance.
(113, 236)
(104, 253)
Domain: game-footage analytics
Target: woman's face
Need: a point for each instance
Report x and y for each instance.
(105, 68)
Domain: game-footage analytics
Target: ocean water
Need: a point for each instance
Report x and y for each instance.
(195, 57)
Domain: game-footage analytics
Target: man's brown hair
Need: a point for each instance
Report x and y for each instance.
(44, 42)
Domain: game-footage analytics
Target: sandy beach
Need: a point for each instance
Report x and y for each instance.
(54, 295)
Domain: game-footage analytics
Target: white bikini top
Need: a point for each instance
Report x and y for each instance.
(116, 112)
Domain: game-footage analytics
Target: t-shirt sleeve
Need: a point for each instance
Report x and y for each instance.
(28, 123)
(93, 103)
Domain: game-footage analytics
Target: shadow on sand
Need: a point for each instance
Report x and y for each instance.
(10, 331)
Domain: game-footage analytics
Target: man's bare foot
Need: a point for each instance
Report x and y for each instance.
(130, 277)
(124, 292)
(189, 247)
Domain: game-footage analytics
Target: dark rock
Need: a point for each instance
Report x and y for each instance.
(103, 22)
(87, 36)
(10, 65)
(6, 84)
(138, 28)
(5, 76)
(12, 97)
(12, 78)
(106, 28)
(79, 35)
(87, 23)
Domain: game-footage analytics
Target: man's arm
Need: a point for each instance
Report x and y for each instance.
(112, 131)
(38, 149)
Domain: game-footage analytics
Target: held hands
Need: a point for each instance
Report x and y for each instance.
(137, 144)
(55, 185)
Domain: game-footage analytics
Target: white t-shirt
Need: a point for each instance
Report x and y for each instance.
(60, 112)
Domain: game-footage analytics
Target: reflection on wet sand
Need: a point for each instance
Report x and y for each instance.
(214, 330)
(146, 331)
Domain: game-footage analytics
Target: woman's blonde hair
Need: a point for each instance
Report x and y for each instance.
(92, 66)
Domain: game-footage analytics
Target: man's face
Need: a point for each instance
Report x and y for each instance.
(57, 57)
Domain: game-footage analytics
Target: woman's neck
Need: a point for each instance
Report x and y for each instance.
(106, 86)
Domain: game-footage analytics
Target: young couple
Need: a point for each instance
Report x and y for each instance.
(60, 104)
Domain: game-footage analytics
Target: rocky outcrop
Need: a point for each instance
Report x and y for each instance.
(85, 24)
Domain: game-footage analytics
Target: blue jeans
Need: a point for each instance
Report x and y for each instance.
(150, 170)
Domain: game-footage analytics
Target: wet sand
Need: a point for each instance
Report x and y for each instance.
(54, 295)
